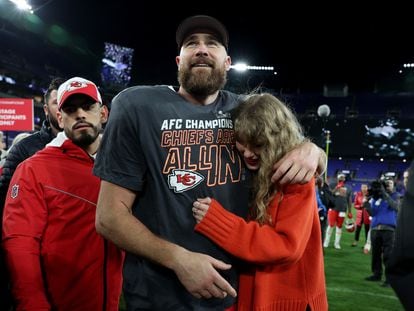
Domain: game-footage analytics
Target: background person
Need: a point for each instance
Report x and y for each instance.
(327, 199)
(3, 150)
(322, 211)
(384, 206)
(362, 215)
(56, 259)
(336, 217)
(21, 151)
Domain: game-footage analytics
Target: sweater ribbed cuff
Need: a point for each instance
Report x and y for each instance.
(218, 224)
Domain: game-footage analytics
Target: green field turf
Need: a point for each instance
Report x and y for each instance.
(345, 271)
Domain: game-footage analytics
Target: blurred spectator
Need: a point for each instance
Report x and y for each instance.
(362, 215)
(342, 194)
(19, 137)
(21, 151)
(342, 182)
(405, 178)
(28, 146)
(16, 139)
(337, 215)
(400, 268)
(384, 206)
(326, 199)
(3, 152)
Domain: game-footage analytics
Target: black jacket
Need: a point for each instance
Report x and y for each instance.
(400, 268)
(326, 196)
(20, 152)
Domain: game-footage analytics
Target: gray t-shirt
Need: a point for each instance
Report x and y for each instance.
(172, 152)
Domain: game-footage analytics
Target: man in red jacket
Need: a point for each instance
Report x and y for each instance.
(20, 152)
(56, 259)
(362, 215)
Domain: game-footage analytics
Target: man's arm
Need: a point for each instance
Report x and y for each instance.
(393, 203)
(24, 221)
(300, 165)
(196, 271)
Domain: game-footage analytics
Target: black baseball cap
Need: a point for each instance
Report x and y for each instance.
(203, 24)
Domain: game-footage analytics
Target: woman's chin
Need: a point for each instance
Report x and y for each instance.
(252, 167)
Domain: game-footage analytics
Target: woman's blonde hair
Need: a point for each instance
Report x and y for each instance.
(265, 123)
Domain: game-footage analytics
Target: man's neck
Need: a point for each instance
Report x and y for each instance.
(93, 148)
(198, 100)
(55, 131)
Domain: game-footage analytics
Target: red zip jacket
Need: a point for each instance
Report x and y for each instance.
(285, 269)
(362, 215)
(54, 255)
(358, 200)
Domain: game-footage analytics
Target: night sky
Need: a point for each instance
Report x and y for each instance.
(309, 45)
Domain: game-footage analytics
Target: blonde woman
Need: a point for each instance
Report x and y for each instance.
(280, 244)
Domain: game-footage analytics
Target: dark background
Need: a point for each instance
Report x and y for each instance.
(309, 45)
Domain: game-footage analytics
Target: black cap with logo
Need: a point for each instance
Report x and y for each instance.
(202, 24)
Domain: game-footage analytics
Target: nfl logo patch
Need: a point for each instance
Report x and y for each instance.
(14, 191)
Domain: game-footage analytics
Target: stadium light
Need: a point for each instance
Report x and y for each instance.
(22, 5)
(239, 67)
(244, 67)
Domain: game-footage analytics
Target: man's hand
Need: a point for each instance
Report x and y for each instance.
(299, 165)
(198, 273)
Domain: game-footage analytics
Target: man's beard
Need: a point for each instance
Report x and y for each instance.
(53, 122)
(85, 137)
(204, 83)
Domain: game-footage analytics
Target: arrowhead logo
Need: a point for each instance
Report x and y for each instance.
(183, 180)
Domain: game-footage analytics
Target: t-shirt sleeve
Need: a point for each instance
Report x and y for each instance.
(120, 159)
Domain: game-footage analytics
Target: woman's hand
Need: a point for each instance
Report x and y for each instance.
(200, 208)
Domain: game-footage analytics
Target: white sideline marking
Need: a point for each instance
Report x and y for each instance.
(342, 289)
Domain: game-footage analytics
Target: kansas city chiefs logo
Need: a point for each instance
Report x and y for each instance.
(183, 180)
(74, 85)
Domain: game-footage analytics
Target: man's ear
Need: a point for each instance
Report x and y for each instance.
(46, 111)
(59, 118)
(228, 63)
(104, 114)
(177, 61)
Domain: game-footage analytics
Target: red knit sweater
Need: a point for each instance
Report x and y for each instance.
(285, 269)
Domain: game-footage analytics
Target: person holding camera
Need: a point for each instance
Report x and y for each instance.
(383, 207)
